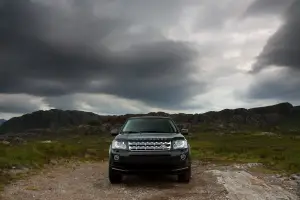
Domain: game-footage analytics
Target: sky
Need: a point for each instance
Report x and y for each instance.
(139, 56)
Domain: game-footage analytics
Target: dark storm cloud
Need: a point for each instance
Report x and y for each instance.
(282, 85)
(48, 49)
(282, 51)
(159, 74)
(283, 48)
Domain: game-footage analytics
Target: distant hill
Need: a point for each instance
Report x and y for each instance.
(268, 117)
(51, 119)
(2, 121)
(275, 116)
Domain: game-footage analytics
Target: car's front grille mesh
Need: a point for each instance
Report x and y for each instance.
(149, 145)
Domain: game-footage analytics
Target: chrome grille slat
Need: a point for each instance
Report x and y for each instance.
(149, 145)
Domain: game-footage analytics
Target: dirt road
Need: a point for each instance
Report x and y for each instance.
(88, 181)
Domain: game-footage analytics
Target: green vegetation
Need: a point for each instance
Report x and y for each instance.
(35, 154)
(278, 153)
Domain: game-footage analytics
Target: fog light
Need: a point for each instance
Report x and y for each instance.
(116, 157)
(182, 156)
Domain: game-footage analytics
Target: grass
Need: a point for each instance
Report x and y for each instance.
(35, 155)
(277, 153)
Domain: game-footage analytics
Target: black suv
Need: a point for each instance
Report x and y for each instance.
(149, 144)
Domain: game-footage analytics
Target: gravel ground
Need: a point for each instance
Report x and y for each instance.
(88, 181)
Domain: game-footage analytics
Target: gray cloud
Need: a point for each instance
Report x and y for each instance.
(18, 104)
(102, 104)
(283, 48)
(215, 14)
(63, 49)
(281, 85)
(70, 51)
(268, 7)
(277, 68)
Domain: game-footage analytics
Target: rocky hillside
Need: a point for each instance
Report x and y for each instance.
(2, 121)
(276, 116)
(51, 119)
(283, 115)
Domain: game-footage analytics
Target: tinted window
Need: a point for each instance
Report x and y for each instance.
(149, 125)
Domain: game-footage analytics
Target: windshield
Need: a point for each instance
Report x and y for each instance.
(149, 125)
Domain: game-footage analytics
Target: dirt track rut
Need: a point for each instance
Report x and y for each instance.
(88, 181)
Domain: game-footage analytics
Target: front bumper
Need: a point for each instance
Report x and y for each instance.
(167, 162)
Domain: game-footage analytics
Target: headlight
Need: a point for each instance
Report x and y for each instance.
(118, 145)
(180, 144)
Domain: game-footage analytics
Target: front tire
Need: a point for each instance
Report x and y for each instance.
(114, 176)
(185, 176)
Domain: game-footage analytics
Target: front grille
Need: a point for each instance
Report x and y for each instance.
(141, 167)
(149, 145)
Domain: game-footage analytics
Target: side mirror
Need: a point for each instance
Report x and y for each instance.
(184, 131)
(114, 132)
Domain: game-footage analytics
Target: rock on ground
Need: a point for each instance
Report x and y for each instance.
(243, 185)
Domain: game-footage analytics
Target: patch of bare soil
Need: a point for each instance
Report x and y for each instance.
(88, 181)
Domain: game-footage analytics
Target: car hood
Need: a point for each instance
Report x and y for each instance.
(137, 136)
